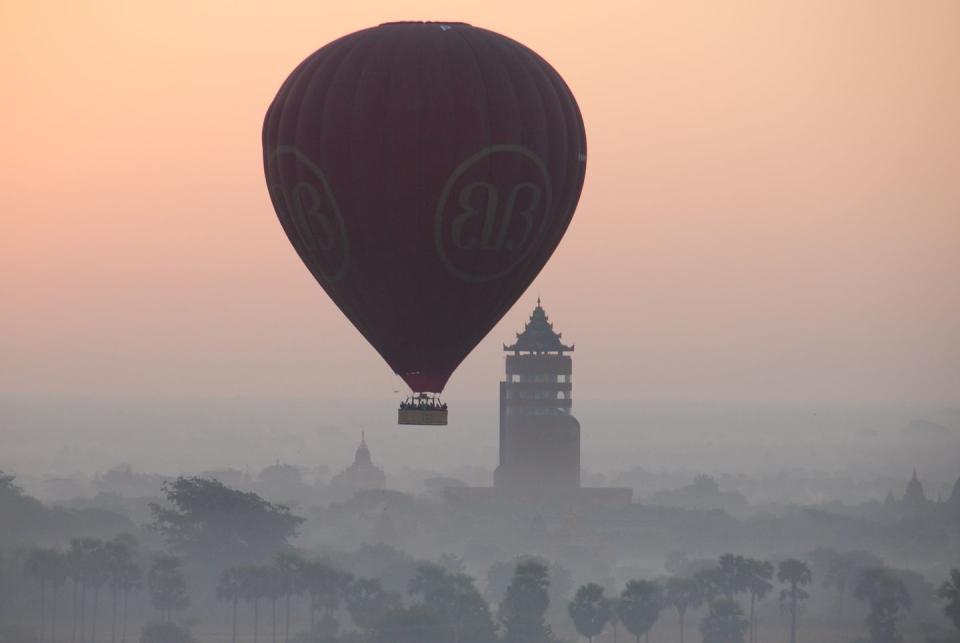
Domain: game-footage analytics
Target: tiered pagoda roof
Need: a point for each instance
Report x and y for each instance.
(538, 336)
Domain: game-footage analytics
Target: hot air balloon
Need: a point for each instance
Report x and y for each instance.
(424, 172)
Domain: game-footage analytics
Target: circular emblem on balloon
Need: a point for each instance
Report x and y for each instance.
(308, 210)
(492, 212)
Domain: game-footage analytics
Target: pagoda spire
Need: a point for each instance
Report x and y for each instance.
(538, 335)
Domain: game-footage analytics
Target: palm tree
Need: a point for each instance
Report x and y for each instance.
(590, 610)
(727, 578)
(758, 574)
(127, 580)
(230, 588)
(639, 607)
(326, 586)
(368, 602)
(841, 571)
(681, 594)
(291, 568)
(249, 579)
(273, 588)
(98, 575)
(57, 578)
(44, 566)
(724, 623)
(949, 592)
(168, 586)
(73, 571)
(118, 554)
(796, 574)
(82, 565)
(886, 595)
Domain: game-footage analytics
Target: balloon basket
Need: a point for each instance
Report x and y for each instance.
(422, 409)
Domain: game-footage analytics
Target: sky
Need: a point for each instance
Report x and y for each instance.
(771, 210)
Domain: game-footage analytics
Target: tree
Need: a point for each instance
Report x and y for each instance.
(48, 567)
(448, 609)
(590, 610)
(458, 608)
(724, 623)
(165, 633)
(639, 606)
(290, 567)
(500, 575)
(230, 588)
(250, 587)
(523, 608)
(949, 592)
(127, 579)
(122, 575)
(796, 574)
(97, 576)
(207, 520)
(82, 561)
(682, 594)
(757, 575)
(842, 571)
(272, 582)
(727, 578)
(368, 602)
(327, 587)
(840, 574)
(416, 624)
(886, 595)
(168, 586)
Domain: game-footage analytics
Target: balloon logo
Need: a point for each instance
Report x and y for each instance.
(424, 173)
(488, 228)
(311, 208)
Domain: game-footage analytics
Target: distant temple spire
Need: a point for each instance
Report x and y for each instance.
(914, 494)
(362, 475)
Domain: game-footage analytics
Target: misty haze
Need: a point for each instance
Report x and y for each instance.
(320, 324)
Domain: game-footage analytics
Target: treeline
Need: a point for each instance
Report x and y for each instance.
(441, 605)
(210, 544)
(720, 585)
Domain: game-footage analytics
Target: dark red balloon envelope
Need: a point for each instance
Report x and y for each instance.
(424, 172)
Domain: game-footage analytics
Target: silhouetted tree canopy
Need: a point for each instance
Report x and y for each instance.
(458, 605)
(724, 623)
(415, 624)
(526, 601)
(165, 633)
(949, 592)
(682, 594)
(500, 575)
(207, 520)
(590, 610)
(886, 597)
(796, 574)
(639, 606)
(368, 602)
(168, 586)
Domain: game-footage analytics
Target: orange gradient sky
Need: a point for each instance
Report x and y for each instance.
(772, 206)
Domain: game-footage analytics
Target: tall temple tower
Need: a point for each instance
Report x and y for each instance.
(539, 438)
